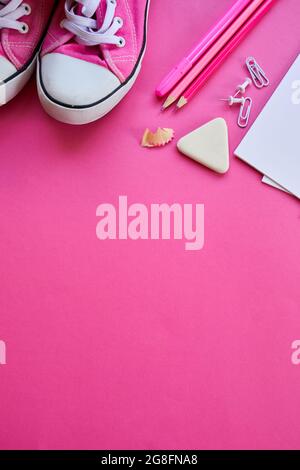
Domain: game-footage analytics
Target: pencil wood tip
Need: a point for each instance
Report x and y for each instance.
(182, 102)
(169, 101)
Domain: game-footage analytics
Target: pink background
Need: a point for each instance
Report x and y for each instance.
(140, 344)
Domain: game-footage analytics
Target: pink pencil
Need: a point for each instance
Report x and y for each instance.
(236, 40)
(187, 62)
(211, 53)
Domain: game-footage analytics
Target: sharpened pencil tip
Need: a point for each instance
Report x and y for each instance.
(169, 101)
(182, 102)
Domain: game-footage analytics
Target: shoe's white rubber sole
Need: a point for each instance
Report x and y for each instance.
(11, 87)
(86, 114)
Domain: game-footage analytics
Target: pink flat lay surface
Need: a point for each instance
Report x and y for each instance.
(141, 344)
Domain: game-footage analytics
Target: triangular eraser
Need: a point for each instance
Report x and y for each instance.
(208, 145)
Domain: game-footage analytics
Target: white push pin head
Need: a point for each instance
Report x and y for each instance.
(232, 100)
(241, 89)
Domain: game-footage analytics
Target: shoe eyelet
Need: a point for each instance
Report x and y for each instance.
(27, 8)
(119, 21)
(24, 28)
(121, 42)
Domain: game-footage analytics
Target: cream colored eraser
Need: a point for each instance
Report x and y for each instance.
(208, 145)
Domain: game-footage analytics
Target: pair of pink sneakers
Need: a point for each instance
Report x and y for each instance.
(88, 53)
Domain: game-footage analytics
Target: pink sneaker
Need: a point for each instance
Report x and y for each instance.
(22, 29)
(91, 57)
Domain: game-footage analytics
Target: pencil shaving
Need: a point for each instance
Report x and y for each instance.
(157, 139)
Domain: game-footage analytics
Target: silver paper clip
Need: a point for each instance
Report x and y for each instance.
(245, 112)
(258, 76)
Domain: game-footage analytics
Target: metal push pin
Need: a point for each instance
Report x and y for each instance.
(231, 100)
(245, 109)
(241, 89)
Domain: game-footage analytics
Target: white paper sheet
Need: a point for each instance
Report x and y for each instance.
(272, 145)
(272, 183)
(2, 94)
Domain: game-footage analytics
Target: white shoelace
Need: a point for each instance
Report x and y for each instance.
(10, 12)
(86, 28)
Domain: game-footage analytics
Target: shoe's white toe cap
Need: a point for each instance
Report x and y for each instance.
(6, 68)
(76, 82)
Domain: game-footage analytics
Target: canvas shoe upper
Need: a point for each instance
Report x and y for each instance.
(91, 54)
(22, 28)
